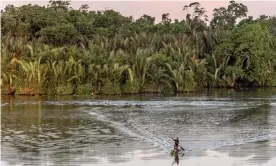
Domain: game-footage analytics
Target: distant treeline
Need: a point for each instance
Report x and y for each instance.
(60, 50)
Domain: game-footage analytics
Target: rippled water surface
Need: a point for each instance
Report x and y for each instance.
(223, 127)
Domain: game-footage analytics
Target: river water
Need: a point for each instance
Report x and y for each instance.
(218, 128)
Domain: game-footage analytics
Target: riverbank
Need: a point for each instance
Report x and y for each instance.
(147, 92)
(105, 52)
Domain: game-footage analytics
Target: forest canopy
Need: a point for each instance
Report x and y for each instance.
(58, 50)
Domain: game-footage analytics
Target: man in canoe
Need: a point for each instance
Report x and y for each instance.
(176, 156)
(175, 152)
(176, 143)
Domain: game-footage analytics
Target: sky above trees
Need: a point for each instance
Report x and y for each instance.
(157, 8)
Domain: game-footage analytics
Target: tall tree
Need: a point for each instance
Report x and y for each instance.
(60, 5)
(84, 7)
(146, 19)
(226, 18)
(195, 20)
(166, 19)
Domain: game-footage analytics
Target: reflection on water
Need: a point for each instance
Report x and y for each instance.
(236, 126)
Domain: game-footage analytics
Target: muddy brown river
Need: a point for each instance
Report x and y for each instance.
(216, 128)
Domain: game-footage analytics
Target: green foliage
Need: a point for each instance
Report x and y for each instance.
(60, 50)
(85, 89)
(250, 48)
(132, 84)
(58, 34)
(189, 83)
(167, 90)
(64, 89)
(271, 80)
(110, 88)
(226, 18)
(5, 89)
(130, 87)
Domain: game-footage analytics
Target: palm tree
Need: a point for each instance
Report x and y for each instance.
(35, 74)
(140, 67)
(198, 67)
(111, 76)
(182, 79)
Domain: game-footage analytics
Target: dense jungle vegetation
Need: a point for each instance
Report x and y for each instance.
(58, 50)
